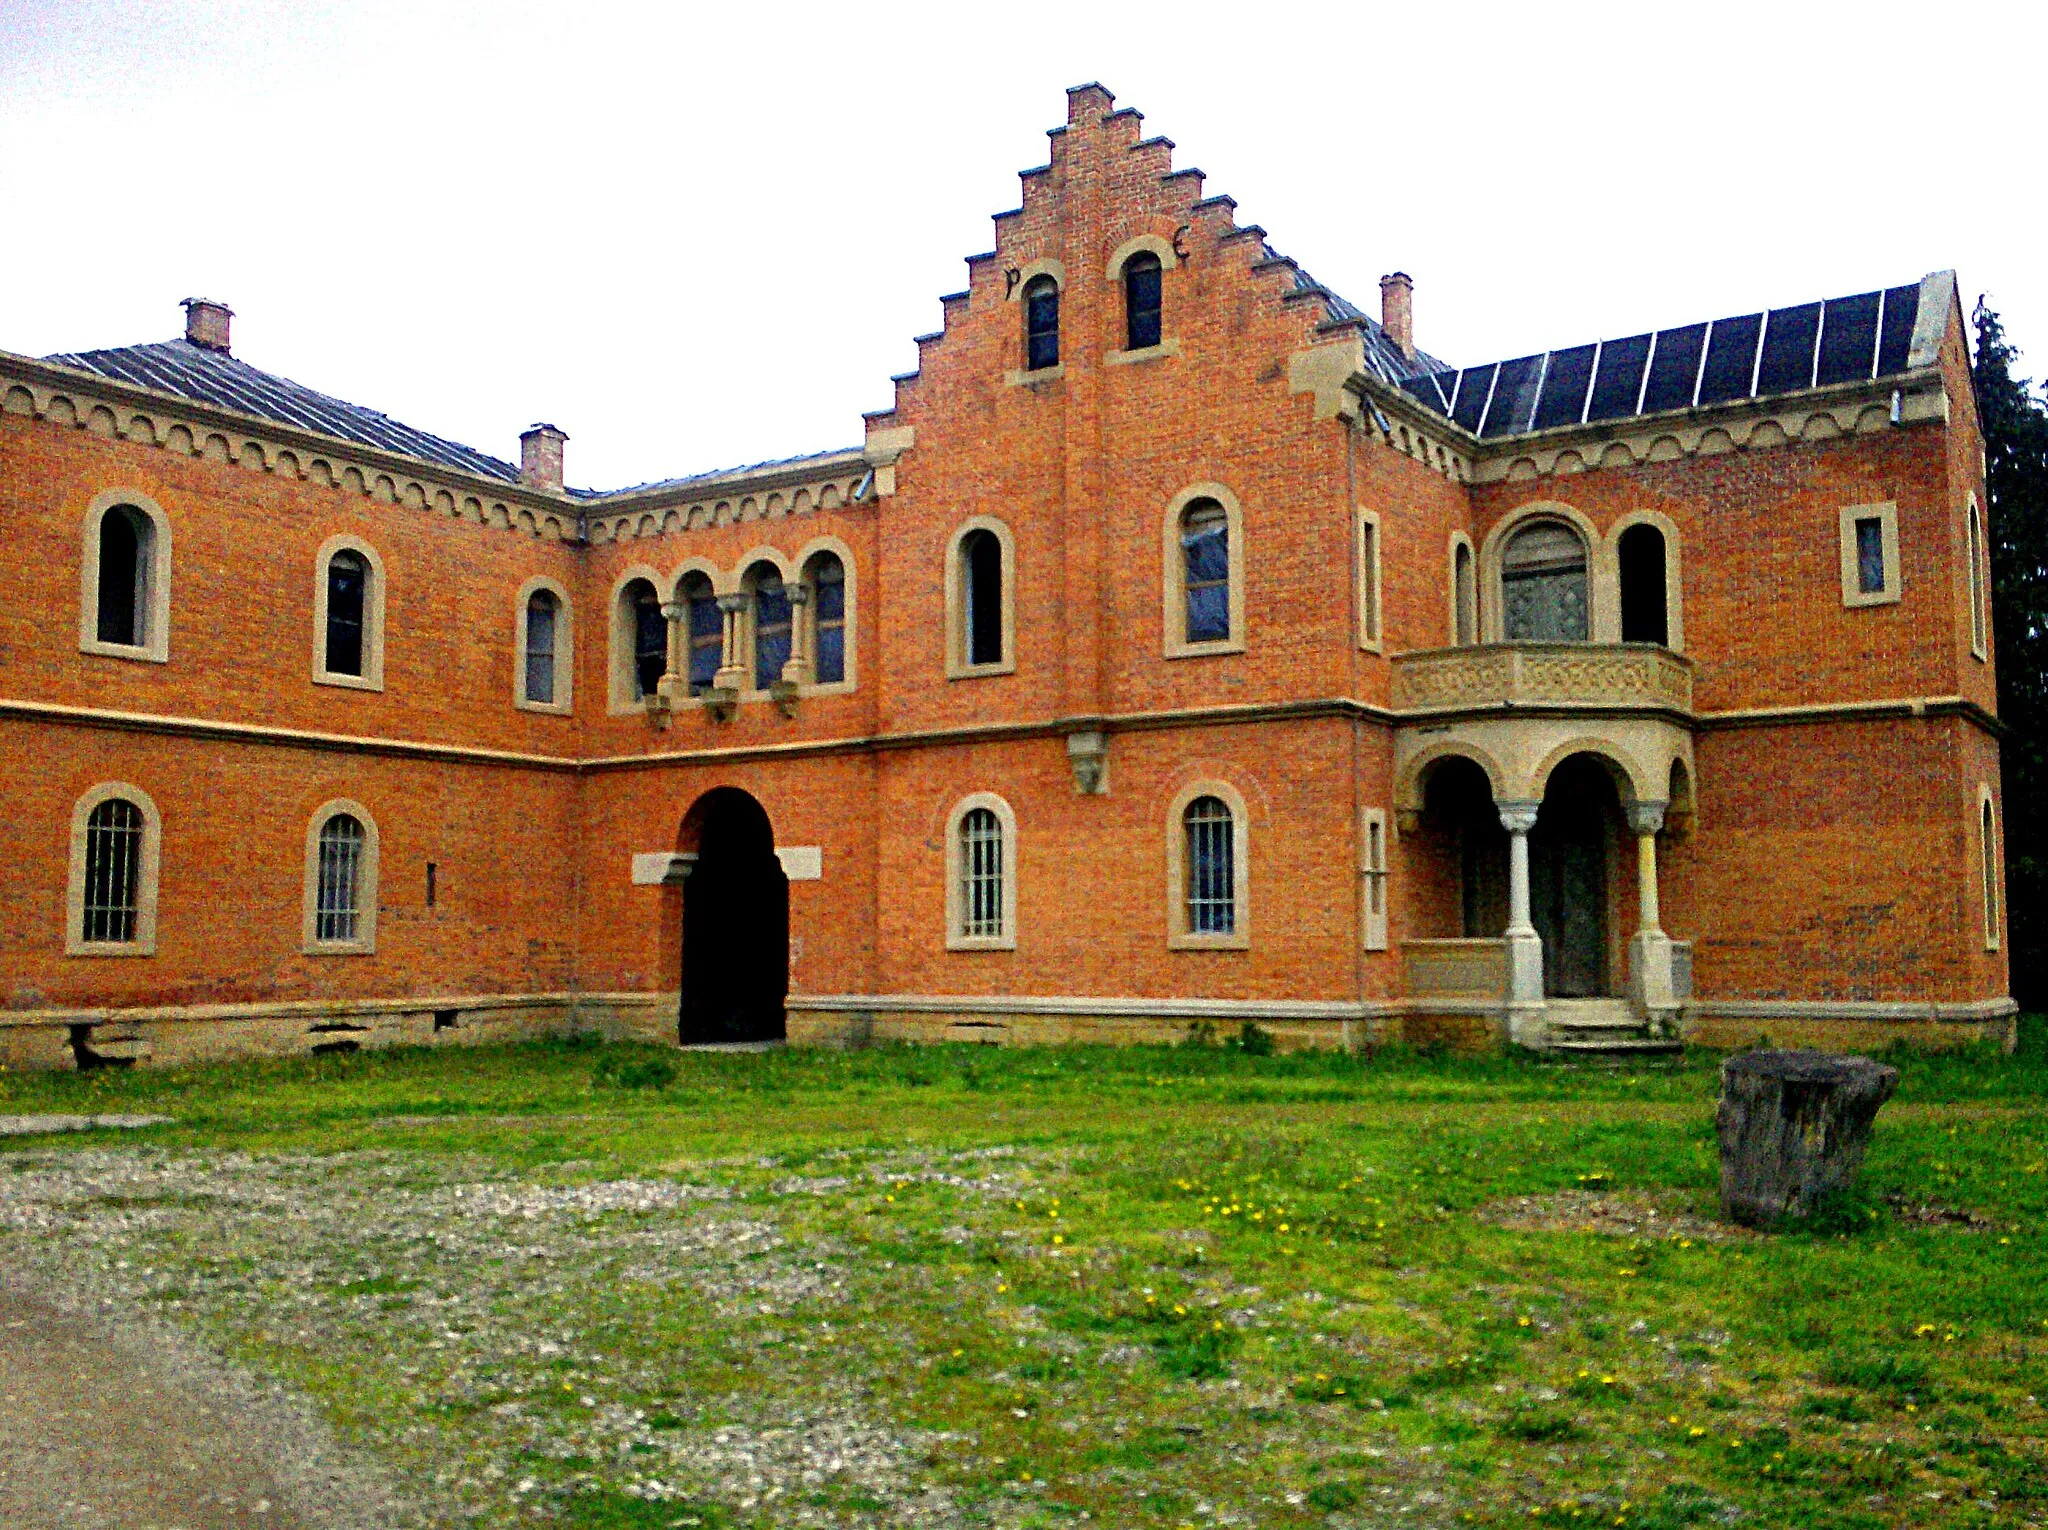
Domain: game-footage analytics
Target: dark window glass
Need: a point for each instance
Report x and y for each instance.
(540, 647)
(1041, 324)
(981, 579)
(1514, 396)
(1205, 549)
(1642, 586)
(1674, 368)
(1564, 387)
(1475, 384)
(1619, 381)
(1543, 585)
(1895, 333)
(1731, 358)
(707, 633)
(1848, 338)
(1465, 597)
(113, 871)
(1141, 301)
(124, 571)
(348, 586)
(828, 600)
(772, 629)
(650, 638)
(1211, 867)
(1870, 556)
(1788, 350)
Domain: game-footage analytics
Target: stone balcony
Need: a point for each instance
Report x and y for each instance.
(1505, 677)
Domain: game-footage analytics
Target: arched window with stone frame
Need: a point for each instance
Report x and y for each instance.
(125, 595)
(1208, 874)
(981, 875)
(1143, 283)
(1041, 324)
(340, 894)
(543, 656)
(771, 624)
(348, 615)
(116, 849)
(704, 629)
(1545, 590)
(825, 576)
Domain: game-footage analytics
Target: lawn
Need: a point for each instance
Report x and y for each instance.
(1193, 1286)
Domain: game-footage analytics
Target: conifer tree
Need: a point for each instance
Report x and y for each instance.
(2015, 420)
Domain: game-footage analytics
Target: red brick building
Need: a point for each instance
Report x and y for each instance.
(1185, 645)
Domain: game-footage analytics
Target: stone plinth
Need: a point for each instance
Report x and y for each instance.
(1794, 1125)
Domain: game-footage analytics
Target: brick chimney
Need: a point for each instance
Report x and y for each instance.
(1397, 311)
(206, 323)
(540, 457)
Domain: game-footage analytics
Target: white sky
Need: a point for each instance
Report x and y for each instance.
(699, 236)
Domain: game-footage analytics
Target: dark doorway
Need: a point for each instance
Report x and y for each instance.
(1643, 612)
(1568, 873)
(735, 923)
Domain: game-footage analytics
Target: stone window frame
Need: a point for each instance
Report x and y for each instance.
(1173, 602)
(1462, 636)
(1113, 272)
(809, 614)
(956, 666)
(621, 697)
(1607, 576)
(1991, 865)
(1045, 265)
(1886, 514)
(565, 648)
(155, 647)
(1373, 878)
(1178, 936)
(745, 634)
(144, 943)
(1368, 553)
(372, 677)
(1603, 595)
(1980, 581)
(365, 943)
(956, 905)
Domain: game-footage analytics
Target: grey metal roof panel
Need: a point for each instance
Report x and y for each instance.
(844, 457)
(214, 377)
(1381, 354)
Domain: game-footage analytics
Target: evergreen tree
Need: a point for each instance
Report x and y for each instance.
(2015, 419)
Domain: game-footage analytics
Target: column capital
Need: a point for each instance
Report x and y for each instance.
(733, 604)
(1646, 817)
(675, 610)
(1518, 817)
(799, 593)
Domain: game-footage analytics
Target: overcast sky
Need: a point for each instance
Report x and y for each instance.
(697, 236)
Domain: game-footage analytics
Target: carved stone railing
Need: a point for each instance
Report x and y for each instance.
(1507, 675)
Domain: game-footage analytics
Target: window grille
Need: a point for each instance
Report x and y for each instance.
(772, 630)
(1543, 585)
(1041, 324)
(981, 874)
(337, 911)
(124, 576)
(1205, 550)
(541, 609)
(1211, 867)
(348, 582)
(981, 580)
(650, 638)
(113, 871)
(1870, 555)
(828, 604)
(1141, 302)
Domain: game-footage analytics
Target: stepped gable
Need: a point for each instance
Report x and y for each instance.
(214, 377)
(1110, 143)
(1859, 338)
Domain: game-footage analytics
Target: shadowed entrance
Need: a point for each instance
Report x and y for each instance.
(735, 923)
(1570, 862)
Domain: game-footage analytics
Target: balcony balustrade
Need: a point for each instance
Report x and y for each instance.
(1547, 676)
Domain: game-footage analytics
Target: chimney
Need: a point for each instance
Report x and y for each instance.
(1397, 311)
(206, 323)
(540, 457)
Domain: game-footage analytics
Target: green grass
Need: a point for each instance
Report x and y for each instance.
(1213, 1277)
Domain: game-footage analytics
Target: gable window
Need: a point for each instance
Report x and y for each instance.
(1644, 612)
(1979, 646)
(1464, 595)
(1041, 324)
(1870, 555)
(1142, 280)
(827, 576)
(773, 628)
(981, 882)
(348, 596)
(125, 603)
(707, 632)
(1205, 551)
(541, 609)
(1544, 586)
(111, 907)
(341, 881)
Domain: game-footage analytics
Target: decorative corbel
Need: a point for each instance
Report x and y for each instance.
(883, 449)
(1088, 754)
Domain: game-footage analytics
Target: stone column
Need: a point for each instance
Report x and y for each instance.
(796, 670)
(1651, 989)
(732, 670)
(1524, 945)
(675, 681)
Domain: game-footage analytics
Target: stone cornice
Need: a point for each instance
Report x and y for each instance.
(116, 410)
(768, 492)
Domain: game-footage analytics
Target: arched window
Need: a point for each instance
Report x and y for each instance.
(773, 629)
(348, 593)
(981, 875)
(1644, 608)
(1211, 867)
(1979, 648)
(707, 632)
(650, 637)
(827, 578)
(341, 881)
(111, 903)
(1205, 580)
(542, 613)
(1543, 585)
(124, 582)
(1041, 324)
(1141, 301)
(981, 588)
(1464, 596)
(1987, 844)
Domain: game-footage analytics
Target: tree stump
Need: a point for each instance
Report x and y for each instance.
(1794, 1125)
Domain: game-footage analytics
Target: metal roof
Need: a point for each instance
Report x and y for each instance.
(215, 377)
(1381, 354)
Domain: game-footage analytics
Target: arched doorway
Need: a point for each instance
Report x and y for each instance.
(1571, 861)
(735, 923)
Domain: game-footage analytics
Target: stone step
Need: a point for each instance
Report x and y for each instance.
(1618, 1046)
